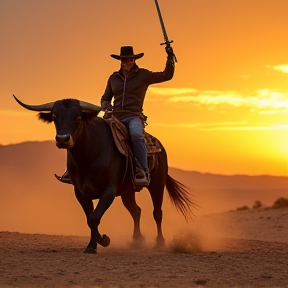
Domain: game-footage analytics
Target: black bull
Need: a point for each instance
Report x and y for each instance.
(96, 168)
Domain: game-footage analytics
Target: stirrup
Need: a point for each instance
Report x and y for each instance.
(64, 178)
(141, 178)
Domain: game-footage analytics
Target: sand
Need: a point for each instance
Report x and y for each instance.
(233, 249)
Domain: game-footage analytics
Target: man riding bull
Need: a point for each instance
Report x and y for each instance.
(128, 87)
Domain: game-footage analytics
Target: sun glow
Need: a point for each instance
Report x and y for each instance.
(225, 108)
(263, 99)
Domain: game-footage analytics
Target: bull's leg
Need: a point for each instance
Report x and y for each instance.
(156, 191)
(87, 206)
(94, 219)
(130, 204)
(94, 216)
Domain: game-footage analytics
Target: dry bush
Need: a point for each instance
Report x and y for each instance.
(257, 205)
(242, 208)
(281, 203)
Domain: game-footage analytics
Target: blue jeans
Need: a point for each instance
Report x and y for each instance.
(135, 128)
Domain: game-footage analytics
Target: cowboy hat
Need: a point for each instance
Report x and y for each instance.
(127, 52)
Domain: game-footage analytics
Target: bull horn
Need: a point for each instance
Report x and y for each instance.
(89, 107)
(42, 107)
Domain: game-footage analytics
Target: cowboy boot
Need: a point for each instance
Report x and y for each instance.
(142, 177)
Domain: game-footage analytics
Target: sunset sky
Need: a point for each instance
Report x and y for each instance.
(226, 109)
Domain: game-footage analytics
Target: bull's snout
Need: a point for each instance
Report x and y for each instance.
(64, 141)
(62, 138)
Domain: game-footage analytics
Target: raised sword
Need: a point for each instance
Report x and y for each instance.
(166, 39)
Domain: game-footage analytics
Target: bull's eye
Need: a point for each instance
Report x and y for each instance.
(53, 117)
(78, 119)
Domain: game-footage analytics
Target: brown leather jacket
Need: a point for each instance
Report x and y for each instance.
(129, 92)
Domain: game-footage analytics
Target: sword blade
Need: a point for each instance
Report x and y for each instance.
(166, 39)
(167, 42)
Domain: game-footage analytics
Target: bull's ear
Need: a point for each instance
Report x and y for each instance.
(45, 117)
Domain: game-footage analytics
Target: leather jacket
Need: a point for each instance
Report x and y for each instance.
(129, 91)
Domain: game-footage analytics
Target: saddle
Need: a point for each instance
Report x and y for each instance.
(124, 145)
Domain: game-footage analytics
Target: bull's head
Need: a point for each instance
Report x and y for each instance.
(67, 116)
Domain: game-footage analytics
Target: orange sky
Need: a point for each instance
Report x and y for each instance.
(225, 111)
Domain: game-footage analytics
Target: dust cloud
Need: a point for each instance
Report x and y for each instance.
(54, 210)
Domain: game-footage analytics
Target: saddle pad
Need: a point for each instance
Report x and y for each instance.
(152, 144)
(122, 138)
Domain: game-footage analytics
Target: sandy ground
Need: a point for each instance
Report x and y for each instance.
(233, 249)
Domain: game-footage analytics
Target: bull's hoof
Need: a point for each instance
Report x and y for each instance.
(105, 241)
(160, 243)
(138, 242)
(90, 250)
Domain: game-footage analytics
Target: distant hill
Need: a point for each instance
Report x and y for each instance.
(217, 181)
(40, 157)
(31, 198)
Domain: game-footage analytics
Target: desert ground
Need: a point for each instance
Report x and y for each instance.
(233, 249)
(44, 231)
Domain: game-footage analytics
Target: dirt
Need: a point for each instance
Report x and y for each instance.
(252, 259)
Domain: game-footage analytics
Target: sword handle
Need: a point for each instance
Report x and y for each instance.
(167, 43)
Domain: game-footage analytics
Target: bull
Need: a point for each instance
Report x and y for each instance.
(97, 168)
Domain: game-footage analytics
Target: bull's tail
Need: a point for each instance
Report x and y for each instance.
(180, 196)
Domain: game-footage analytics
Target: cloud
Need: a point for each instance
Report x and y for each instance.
(245, 76)
(223, 126)
(251, 128)
(282, 68)
(201, 125)
(262, 101)
(172, 91)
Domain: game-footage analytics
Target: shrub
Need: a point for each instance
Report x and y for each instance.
(257, 205)
(242, 208)
(280, 203)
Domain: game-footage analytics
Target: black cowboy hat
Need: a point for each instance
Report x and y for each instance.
(127, 52)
